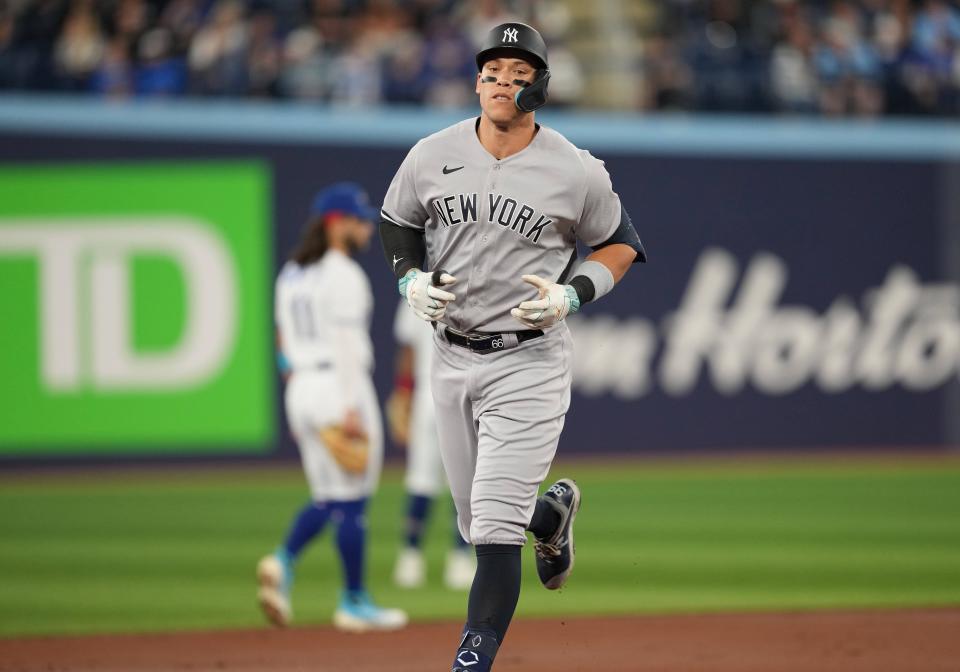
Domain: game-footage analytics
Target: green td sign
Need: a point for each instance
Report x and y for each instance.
(134, 309)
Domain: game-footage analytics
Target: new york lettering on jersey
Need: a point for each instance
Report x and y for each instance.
(503, 210)
(489, 221)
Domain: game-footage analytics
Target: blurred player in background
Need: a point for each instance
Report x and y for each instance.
(413, 424)
(323, 308)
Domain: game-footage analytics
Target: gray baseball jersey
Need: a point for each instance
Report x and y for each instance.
(489, 221)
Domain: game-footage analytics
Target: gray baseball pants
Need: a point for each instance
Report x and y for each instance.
(499, 417)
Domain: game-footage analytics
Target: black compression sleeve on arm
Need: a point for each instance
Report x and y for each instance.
(403, 248)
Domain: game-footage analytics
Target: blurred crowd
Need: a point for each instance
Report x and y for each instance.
(844, 57)
(352, 52)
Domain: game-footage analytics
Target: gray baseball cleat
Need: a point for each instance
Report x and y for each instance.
(555, 554)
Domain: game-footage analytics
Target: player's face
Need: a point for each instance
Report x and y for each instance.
(497, 95)
(357, 233)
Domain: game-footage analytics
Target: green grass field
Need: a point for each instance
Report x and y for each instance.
(137, 551)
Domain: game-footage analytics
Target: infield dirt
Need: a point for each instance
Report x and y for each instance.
(863, 641)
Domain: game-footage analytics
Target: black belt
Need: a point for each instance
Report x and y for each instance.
(486, 343)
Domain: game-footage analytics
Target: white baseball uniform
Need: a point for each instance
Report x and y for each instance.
(487, 222)
(323, 314)
(424, 468)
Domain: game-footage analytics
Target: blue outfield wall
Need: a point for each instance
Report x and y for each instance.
(803, 288)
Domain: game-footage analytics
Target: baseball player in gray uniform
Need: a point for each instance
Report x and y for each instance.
(480, 225)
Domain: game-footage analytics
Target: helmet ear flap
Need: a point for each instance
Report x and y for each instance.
(534, 96)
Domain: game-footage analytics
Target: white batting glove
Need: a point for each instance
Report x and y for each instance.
(428, 302)
(553, 303)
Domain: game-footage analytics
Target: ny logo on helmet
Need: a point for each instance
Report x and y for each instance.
(509, 35)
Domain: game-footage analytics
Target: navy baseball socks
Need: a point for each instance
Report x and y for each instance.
(493, 599)
(356, 610)
(555, 550)
(496, 586)
(275, 571)
(410, 570)
(418, 510)
(308, 523)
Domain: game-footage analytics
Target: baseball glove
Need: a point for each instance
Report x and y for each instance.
(350, 450)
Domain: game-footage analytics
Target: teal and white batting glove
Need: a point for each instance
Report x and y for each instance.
(553, 303)
(428, 302)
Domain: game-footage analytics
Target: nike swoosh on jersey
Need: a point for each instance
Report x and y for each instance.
(396, 260)
(447, 171)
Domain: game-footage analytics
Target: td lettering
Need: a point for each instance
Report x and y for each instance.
(84, 300)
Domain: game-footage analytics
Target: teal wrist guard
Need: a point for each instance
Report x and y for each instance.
(573, 297)
(406, 280)
(283, 364)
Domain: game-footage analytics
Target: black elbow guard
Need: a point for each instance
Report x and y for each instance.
(403, 248)
(626, 234)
